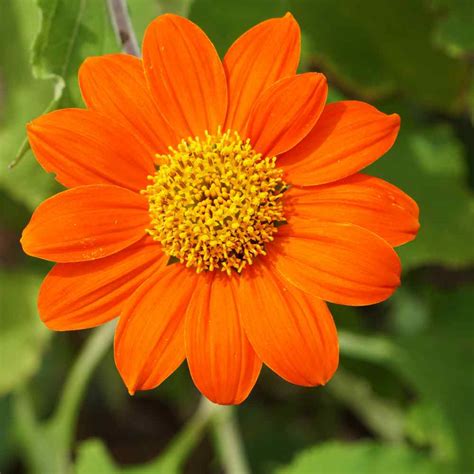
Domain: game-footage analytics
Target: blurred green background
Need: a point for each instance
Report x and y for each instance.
(402, 400)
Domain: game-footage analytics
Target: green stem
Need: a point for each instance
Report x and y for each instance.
(64, 418)
(382, 417)
(375, 349)
(182, 445)
(47, 445)
(229, 442)
(29, 432)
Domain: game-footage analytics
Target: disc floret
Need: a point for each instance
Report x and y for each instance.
(215, 202)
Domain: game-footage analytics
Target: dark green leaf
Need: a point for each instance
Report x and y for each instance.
(455, 28)
(376, 48)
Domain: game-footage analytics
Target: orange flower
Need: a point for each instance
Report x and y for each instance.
(215, 207)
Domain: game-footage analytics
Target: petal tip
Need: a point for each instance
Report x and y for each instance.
(396, 120)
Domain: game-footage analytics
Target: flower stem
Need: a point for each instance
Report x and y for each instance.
(93, 351)
(29, 433)
(186, 440)
(123, 26)
(61, 426)
(229, 442)
(47, 444)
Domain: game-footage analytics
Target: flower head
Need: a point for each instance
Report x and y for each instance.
(214, 207)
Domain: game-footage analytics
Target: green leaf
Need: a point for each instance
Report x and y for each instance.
(376, 48)
(22, 99)
(142, 12)
(22, 335)
(427, 163)
(455, 28)
(92, 456)
(436, 361)
(362, 457)
(427, 426)
(71, 30)
(438, 364)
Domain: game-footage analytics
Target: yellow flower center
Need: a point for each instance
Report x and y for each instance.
(215, 202)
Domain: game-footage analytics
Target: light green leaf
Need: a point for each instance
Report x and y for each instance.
(92, 456)
(22, 99)
(427, 426)
(22, 335)
(436, 361)
(362, 457)
(71, 30)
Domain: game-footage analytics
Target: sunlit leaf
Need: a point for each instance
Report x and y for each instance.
(427, 427)
(92, 456)
(22, 99)
(70, 31)
(362, 457)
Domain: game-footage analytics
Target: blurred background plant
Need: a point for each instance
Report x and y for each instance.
(401, 401)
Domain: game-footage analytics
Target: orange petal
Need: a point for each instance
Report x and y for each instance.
(86, 223)
(292, 332)
(84, 147)
(185, 75)
(348, 136)
(340, 263)
(149, 341)
(87, 294)
(264, 54)
(222, 363)
(362, 200)
(115, 86)
(286, 112)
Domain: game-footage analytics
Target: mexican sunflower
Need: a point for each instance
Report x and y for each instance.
(215, 207)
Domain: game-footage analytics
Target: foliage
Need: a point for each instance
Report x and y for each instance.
(401, 401)
(366, 457)
(22, 336)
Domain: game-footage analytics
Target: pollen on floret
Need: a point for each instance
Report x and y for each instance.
(214, 202)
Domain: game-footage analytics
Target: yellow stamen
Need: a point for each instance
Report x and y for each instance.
(214, 202)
